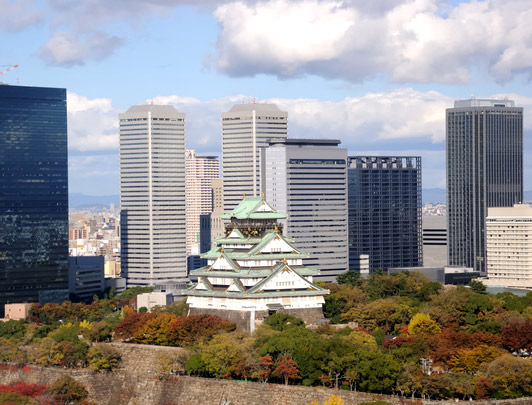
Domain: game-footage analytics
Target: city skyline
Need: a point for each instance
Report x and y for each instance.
(388, 102)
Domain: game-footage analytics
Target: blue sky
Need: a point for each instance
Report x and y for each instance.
(378, 75)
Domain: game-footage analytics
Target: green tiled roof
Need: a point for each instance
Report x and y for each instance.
(267, 239)
(277, 269)
(214, 253)
(250, 273)
(247, 209)
(234, 294)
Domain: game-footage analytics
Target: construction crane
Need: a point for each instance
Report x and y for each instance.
(9, 69)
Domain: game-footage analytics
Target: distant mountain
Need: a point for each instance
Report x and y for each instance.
(434, 195)
(78, 200)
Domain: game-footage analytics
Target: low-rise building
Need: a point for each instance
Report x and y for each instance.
(150, 300)
(16, 311)
(86, 276)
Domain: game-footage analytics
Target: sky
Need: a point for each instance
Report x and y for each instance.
(378, 75)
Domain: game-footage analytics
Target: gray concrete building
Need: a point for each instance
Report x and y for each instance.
(246, 129)
(152, 195)
(484, 169)
(434, 240)
(307, 179)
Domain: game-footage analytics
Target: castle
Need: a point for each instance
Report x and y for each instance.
(255, 271)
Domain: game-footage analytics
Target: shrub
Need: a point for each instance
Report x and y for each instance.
(103, 357)
(67, 390)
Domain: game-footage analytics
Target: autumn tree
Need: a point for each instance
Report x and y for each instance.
(187, 330)
(511, 376)
(422, 324)
(265, 368)
(131, 324)
(286, 368)
(103, 357)
(155, 331)
(470, 360)
(67, 390)
(517, 335)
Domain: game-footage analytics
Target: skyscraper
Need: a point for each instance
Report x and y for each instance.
(484, 169)
(246, 128)
(385, 211)
(152, 195)
(200, 171)
(307, 179)
(33, 195)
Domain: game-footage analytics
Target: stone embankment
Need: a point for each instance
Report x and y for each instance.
(135, 384)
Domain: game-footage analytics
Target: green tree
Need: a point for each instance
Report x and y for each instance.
(477, 286)
(351, 277)
(221, 355)
(378, 372)
(67, 390)
(103, 357)
(280, 321)
(195, 365)
(134, 291)
(177, 308)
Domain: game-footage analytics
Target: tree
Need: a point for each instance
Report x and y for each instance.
(265, 368)
(68, 390)
(188, 330)
(511, 376)
(155, 331)
(286, 368)
(103, 357)
(221, 355)
(470, 360)
(378, 372)
(477, 286)
(169, 363)
(195, 365)
(131, 324)
(248, 367)
(361, 339)
(177, 308)
(134, 291)
(517, 335)
(351, 277)
(280, 321)
(333, 400)
(422, 324)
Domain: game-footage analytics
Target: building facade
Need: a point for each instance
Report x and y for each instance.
(86, 276)
(434, 240)
(509, 246)
(33, 195)
(484, 169)
(217, 225)
(385, 211)
(152, 195)
(307, 179)
(200, 171)
(246, 129)
(255, 271)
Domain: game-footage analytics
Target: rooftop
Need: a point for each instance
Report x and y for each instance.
(301, 142)
(253, 208)
(483, 102)
(256, 107)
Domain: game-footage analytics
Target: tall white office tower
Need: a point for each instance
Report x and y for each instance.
(246, 129)
(152, 195)
(484, 169)
(307, 179)
(200, 172)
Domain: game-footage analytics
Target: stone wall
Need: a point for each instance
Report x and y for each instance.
(135, 383)
(122, 387)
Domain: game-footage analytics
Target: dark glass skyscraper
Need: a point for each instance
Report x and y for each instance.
(484, 169)
(33, 195)
(385, 211)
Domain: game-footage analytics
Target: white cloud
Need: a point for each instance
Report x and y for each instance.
(68, 49)
(16, 15)
(407, 41)
(92, 123)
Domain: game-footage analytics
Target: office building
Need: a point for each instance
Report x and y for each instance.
(509, 246)
(484, 169)
(217, 225)
(434, 240)
(86, 276)
(33, 195)
(200, 171)
(385, 211)
(255, 271)
(307, 179)
(152, 195)
(246, 129)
